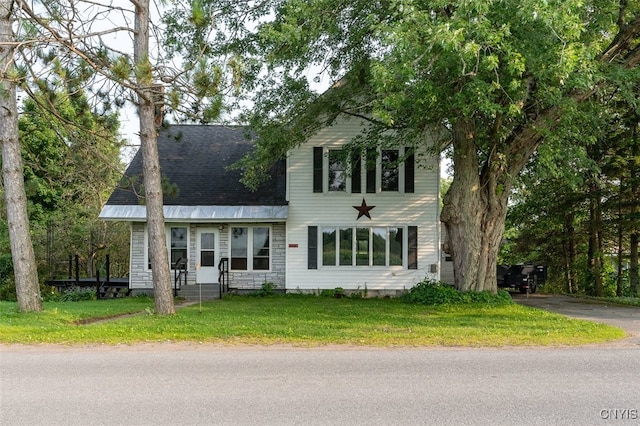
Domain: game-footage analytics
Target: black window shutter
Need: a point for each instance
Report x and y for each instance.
(412, 247)
(312, 254)
(371, 171)
(317, 169)
(409, 172)
(356, 172)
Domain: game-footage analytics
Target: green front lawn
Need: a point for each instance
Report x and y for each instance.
(299, 321)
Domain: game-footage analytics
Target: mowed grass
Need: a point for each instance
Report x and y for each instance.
(299, 321)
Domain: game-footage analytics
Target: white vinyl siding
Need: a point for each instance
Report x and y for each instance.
(334, 212)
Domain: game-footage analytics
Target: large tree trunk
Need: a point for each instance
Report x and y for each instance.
(570, 253)
(633, 269)
(635, 211)
(474, 213)
(620, 242)
(151, 165)
(594, 252)
(474, 208)
(24, 261)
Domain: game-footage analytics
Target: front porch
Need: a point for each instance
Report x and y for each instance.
(201, 255)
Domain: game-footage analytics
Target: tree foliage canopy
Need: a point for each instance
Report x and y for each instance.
(501, 64)
(492, 79)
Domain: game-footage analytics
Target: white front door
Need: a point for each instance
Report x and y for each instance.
(207, 261)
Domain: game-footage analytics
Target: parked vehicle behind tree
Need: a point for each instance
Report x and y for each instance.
(523, 277)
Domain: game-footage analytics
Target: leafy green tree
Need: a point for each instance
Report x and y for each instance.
(575, 206)
(495, 78)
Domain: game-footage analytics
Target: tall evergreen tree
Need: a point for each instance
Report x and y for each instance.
(73, 30)
(24, 261)
(71, 152)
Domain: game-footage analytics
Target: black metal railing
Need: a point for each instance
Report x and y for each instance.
(223, 275)
(179, 274)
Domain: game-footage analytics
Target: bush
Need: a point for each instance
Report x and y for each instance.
(77, 294)
(337, 293)
(8, 290)
(267, 289)
(326, 293)
(49, 294)
(7, 283)
(430, 292)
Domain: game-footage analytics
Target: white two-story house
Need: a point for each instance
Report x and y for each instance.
(324, 220)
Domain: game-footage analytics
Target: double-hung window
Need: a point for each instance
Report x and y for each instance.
(178, 244)
(250, 248)
(261, 249)
(329, 246)
(389, 175)
(177, 241)
(337, 172)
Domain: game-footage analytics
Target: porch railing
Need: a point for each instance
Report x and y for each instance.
(223, 275)
(179, 275)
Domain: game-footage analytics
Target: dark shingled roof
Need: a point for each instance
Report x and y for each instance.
(193, 160)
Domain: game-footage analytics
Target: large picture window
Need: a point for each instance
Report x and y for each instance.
(377, 246)
(258, 239)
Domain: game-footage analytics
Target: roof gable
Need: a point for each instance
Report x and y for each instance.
(193, 163)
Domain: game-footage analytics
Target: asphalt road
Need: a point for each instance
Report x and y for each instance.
(191, 384)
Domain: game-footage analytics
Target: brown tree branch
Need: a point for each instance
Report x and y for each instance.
(627, 35)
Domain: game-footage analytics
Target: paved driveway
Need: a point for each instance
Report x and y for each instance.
(624, 317)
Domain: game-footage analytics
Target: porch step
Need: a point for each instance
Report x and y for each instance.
(194, 291)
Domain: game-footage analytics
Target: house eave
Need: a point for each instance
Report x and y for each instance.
(138, 213)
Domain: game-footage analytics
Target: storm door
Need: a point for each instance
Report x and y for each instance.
(207, 261)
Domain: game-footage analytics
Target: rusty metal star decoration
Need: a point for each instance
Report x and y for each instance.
(363, 210)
